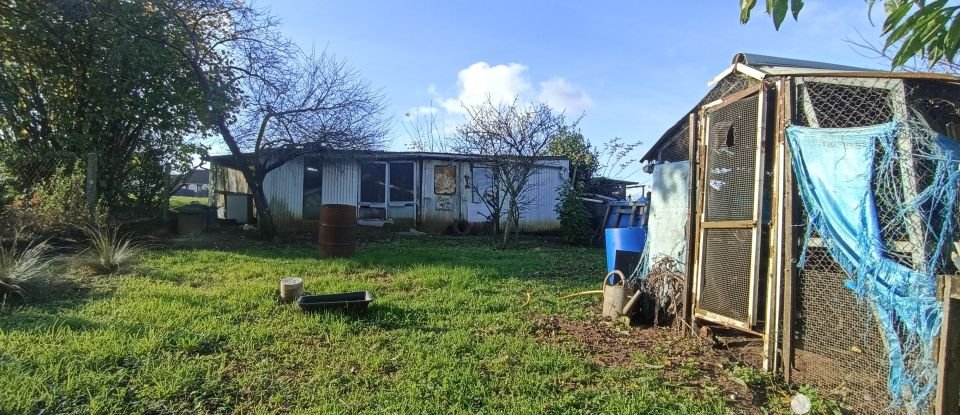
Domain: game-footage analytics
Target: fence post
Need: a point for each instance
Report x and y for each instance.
(92, 185)
(165, 196)
(948, 369)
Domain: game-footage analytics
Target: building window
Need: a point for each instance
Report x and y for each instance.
(482, 184)
(312, 186)
(373, 178)
(401, 181)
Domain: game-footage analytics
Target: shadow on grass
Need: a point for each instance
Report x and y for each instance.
(390, 317)
(533, 258)
(44, 307)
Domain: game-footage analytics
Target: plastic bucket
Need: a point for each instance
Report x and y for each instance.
(623, 239)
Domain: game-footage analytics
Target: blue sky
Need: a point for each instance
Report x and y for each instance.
(633, 67)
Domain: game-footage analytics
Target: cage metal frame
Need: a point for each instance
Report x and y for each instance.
(705, 225)
(782, 273)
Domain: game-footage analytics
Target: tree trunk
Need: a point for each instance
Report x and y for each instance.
(512, 227)
(254, 181)
(516, 228)
(506, 230)
(516, 225)
(268, 230)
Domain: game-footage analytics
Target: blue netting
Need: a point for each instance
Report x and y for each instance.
(837, 171)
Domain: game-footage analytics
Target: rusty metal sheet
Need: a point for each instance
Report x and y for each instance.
(445, 180)
(443, 203)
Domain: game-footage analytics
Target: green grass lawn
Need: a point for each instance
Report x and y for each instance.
(199, 331)
(179, 201)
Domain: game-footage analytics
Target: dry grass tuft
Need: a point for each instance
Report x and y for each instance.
(21, 264)
(109, 251)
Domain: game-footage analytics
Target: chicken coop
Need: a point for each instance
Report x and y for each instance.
(821, 218)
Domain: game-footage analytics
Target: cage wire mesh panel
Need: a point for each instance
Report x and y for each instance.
(731, 162)
(839, 343)
(678, 147)
(729, 183)
(726, 270)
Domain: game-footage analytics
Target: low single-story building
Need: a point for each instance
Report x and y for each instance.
(196, 183)
(425, 191)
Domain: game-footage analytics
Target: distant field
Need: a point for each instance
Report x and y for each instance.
(178, 201)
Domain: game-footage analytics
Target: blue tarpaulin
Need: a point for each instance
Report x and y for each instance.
(835, 169)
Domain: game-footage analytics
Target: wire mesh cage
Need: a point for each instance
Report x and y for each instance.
(676, 148)
(841, 345)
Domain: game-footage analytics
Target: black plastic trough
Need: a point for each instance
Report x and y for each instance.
(355, 302)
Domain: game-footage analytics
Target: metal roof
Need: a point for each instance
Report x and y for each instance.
(198, 176)
(229, 160)
(614, 181)
(777, 66)
(781, 66)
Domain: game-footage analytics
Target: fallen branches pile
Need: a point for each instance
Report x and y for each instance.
(665, 284)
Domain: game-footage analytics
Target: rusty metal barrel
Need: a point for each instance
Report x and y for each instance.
(338, 231)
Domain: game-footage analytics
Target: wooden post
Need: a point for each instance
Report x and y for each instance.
(948, 369)
(908, 179)
(165, 197)
(92, 185)
(774, 271)
(788, 240)
(691, 220)
(291, 288)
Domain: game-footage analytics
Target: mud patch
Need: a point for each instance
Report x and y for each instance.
(710, 365)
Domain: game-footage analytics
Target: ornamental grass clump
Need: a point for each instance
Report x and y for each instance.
(21, 264)
(109, 251)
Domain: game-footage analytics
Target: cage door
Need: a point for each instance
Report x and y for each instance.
(727, 275)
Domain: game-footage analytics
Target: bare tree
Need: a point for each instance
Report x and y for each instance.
(510, 140)
(318, 103)
(426, 130)
(264, 94)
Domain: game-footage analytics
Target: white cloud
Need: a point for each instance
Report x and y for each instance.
(561, 95)
(479, 81)
(502, 83)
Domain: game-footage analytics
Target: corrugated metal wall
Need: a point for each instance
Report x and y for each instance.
(544, 194)
(283, 188)
(476, 210)
(542, 191)
(439, 211)
(341, 183)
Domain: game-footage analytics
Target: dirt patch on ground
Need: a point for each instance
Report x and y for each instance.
(710, 364)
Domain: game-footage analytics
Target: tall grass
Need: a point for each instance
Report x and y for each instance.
(21, 264)
(109, 251)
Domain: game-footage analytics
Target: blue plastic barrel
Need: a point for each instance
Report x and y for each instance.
(623, 239)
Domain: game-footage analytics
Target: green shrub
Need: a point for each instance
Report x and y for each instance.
(574, 220)
(52, 204)
(21, 264)
(109, 251)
